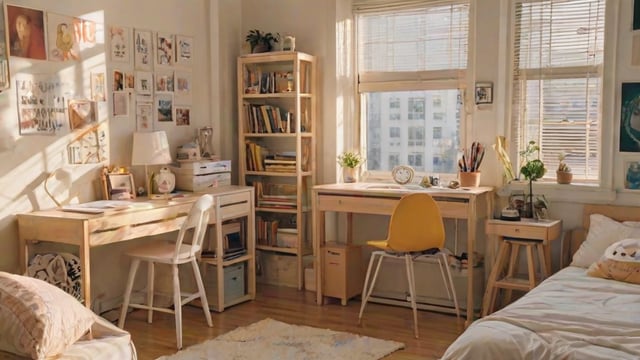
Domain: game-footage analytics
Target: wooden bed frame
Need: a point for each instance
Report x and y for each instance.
(615, 212)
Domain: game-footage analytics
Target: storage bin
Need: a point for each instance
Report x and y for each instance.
(234, 283)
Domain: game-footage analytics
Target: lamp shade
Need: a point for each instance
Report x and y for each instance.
(150, 148)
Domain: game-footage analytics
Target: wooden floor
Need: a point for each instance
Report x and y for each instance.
(289, 305)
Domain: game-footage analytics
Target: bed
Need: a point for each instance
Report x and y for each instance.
(570, 315)
(38, 320)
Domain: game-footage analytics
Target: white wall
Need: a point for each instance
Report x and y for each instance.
(25, 161)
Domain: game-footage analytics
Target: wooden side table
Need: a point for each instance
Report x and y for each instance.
(530, 234)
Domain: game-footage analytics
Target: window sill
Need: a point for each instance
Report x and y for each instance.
(574, 193)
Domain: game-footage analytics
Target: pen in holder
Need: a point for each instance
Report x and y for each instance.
(469, 165)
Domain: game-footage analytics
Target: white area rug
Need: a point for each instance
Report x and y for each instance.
(271, 339)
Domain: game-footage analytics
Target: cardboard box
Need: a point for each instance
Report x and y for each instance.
(279, 269)
(201, 167)
(234, 283)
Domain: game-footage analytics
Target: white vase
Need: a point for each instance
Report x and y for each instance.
(350, 175)
(165, 181)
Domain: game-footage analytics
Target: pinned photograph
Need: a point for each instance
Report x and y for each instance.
(143, 46)
(144, 116)
(164, 107)
(120, 44)
(184, 50)
(164, 49)
(26, 32)
(82, 113)
(63, 40)
(183, 115)
(98, 87)
(120, 103)
(144, 83)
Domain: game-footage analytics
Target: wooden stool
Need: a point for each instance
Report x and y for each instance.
(510, 249)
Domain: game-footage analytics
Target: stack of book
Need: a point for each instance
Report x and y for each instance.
(285, 162)
(266, 231)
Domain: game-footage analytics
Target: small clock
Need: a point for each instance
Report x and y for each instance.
(402, 174)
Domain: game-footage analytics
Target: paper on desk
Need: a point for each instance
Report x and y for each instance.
(98, 207)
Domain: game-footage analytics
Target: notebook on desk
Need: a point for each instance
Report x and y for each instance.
(97, 207)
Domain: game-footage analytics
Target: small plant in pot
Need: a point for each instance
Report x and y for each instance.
(350, 161)
(532, 170)
(563, 174)
(261, 41)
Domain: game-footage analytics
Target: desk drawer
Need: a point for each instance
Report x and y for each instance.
(355, 204)
(517, 231)
(234, 198)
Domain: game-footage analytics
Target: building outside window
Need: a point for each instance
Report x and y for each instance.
(414, 55)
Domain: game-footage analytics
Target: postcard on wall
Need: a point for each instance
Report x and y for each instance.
(164, 107)
(87, 33)
(118, 80)
(183, 115)
(82, 113)
(164, 81)
(129, 81)
(120, 44)
(144, 83)
(630, 118)
(142, 49)
(98, 87)
(120, 103)
(183, 83)
(184, 50)
(144, 116)
(41, 104)
(63, 44)
(164, 49)
(32, 46)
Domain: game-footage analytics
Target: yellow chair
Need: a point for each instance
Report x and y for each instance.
(174, 254)
(415, 227)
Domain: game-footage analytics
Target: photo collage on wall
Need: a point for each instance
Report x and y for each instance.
(158, 85)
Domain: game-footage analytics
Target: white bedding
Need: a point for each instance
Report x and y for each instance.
(109, 342)
(568, 316)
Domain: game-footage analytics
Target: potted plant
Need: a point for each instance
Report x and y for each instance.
(350, 161)
(261, 41)
(563, 174)
(532, 170)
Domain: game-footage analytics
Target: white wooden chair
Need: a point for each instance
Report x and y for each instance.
(173, 254)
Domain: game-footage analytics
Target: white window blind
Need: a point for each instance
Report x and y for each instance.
(557, 82)
(411, 53)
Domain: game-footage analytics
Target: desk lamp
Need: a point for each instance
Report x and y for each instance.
(150, 148)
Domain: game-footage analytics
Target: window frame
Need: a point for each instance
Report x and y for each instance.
(609, 120)
(451, 79)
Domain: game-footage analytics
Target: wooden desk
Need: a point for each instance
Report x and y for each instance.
(366, 198)
(163, 216)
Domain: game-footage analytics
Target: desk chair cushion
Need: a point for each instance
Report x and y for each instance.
(37, 319)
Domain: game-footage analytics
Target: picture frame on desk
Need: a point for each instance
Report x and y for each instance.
(118, 186)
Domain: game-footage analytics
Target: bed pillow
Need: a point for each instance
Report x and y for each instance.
(37, 319)
(603, 231)
(621, 261)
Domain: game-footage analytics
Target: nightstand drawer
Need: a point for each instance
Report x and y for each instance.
(517, 231)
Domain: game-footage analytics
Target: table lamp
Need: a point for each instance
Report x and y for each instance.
(150, 148)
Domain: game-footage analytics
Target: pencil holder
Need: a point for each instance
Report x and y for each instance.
(469, 179)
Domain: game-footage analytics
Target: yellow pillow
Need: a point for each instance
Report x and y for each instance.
(37, 319)
(621, 261)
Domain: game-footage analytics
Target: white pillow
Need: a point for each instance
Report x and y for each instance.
(603, 232)
(37, 319)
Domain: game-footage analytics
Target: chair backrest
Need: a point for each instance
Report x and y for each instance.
(197, 220)
(416, 224)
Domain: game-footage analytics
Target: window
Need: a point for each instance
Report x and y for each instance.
(415, 160)
(411, 59)
(558, 50)
(437, 133)
(416, 108)
(416, 136)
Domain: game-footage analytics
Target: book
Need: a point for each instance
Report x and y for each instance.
(97, 207)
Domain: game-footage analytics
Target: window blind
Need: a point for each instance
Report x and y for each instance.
(557, 80)
(411, 45)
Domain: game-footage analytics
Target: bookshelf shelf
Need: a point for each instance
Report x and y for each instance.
(277, 124)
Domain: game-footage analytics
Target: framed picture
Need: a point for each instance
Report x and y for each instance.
(142, 49)
(184, 50)
(26, 32)
(118, 186)
(630, 118)
(164, 49)
(484, 93)
(82, 113)
(120, 44)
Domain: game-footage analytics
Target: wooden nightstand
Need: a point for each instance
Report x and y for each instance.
(530, 233)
